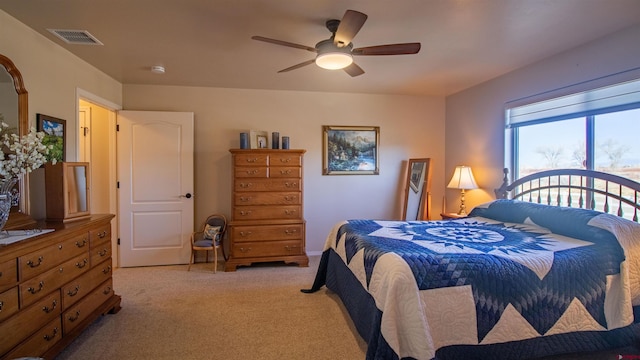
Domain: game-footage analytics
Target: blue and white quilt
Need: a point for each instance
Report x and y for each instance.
(510, 271)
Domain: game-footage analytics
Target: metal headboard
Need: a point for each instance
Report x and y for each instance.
(580, 188)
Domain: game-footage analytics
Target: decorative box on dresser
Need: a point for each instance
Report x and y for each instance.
(267, 219)
(54, 285)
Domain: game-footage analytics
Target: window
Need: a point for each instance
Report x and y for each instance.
(595, 130)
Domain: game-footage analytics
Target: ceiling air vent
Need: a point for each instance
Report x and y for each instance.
(76, 37)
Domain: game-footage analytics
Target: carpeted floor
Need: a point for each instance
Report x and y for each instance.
(256, 312)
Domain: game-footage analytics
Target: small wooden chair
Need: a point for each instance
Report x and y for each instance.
(209, 238)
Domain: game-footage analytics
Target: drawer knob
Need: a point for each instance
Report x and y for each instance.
(74, 318)
(245, 234)
(245, 199)
(289, 185)
(106, 270)
(107, 290)
(102, 234)
(82, 264)
(81, 244)
(245, 213)
(103, 252)
(245, 185)
(33, 264)
(74, 292)
(1, 305)
(245, 250)
(285, 160)
(252, 160)
(47, 310)
(285, 172)
(50, 337)
(290, 212)
(289, 198)
(252, 172)
(290, 248)
(34, 290)
(290, 231)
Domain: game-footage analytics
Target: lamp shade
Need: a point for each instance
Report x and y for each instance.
(332, 57)
(462, 179)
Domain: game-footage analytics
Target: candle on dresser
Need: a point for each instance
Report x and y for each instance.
(285, 142)
(244, 140)
(275, 140)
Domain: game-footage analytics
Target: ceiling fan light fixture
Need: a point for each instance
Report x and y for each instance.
(332, 57)
(334, 61)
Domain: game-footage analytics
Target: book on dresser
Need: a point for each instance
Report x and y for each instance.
(53, 285)
(267, 222)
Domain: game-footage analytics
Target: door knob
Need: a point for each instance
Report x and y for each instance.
(188, 195)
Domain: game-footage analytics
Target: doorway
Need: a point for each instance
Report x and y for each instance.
(96, 144)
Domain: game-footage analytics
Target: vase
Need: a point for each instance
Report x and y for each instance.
(6, 199)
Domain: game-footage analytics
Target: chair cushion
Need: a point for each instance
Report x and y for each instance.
(203, 243)
(211, 232)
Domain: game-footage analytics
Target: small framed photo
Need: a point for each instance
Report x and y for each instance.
(350, 150)
(259, 139)
(55, 131)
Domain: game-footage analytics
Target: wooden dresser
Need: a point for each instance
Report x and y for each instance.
(54, 285)
(267, 217)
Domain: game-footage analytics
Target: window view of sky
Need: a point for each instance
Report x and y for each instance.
(562, 144)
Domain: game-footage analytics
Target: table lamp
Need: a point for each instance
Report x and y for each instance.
(462, 179)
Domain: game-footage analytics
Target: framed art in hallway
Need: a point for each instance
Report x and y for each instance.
(350, 150)
(54, 130)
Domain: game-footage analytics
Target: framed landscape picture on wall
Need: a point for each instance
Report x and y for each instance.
(54, 130)
(350, 150)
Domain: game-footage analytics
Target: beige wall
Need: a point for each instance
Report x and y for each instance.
(51, 76)
(475, 117)
(409, 127)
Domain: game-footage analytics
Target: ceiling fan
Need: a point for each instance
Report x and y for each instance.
(337, 52)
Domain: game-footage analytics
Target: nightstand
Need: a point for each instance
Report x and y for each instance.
(450, 216)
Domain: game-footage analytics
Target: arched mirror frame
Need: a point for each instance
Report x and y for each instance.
(23, 124)
(423, 190)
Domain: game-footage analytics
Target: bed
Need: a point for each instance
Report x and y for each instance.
(544, 269)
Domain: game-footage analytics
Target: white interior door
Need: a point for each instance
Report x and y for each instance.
(155, 175)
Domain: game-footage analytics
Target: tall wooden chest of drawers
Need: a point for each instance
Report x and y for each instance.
(267, 211)
(54, 285)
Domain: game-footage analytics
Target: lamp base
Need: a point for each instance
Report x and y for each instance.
(463, 208)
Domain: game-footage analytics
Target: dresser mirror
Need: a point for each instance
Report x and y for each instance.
(67, 187)
(417, 192)
(14, 110)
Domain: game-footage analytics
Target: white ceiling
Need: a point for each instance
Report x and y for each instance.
(208, 42)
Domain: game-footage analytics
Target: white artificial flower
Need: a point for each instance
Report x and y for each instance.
(21, 155)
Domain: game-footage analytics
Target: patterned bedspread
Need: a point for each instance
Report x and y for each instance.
(510, 271)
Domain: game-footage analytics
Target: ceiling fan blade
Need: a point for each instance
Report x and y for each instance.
(350, 24)
(308, 62)
(391, 49)
(354, 70)
(284, 43)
